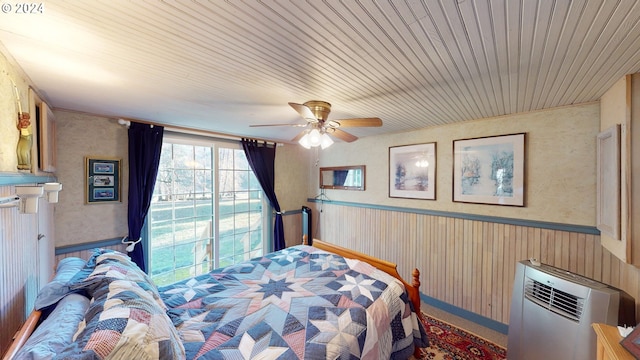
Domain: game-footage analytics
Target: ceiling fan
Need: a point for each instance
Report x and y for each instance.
(315, 112)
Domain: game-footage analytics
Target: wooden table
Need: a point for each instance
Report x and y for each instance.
(608, 347)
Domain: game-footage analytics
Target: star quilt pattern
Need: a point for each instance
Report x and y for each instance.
(297, 303)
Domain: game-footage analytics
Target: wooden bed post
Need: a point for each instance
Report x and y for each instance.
(415, 283)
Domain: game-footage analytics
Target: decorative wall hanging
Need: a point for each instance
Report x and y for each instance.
(412, 171)
(489, 170)
(23, 149)
(343, 177)
(103, 180)
(608, 182)
(43, 150)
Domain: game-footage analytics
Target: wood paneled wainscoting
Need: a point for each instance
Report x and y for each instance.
(468, 261)
(26, 259)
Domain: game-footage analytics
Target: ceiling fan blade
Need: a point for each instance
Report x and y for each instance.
(298, 137)
(343, 135)
(359, 122)
(294, 125)
(304, 111)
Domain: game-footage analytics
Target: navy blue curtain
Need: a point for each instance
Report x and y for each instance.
(261, 159)
(339, 177)
(145, 144)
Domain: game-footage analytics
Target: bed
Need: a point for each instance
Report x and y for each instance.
(303, 302)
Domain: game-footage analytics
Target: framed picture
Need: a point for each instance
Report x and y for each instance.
(412, 171)
(489, 170)
(608, 182)
(43, 150)
(631, 342)
(103, 180)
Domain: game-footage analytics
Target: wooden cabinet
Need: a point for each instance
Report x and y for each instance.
(608, 347)
(620, 109)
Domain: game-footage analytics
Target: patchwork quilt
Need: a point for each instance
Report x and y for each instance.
(297, 303)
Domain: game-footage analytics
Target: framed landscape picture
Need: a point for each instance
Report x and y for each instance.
(102, 180)
(489, 170)
(412, 171)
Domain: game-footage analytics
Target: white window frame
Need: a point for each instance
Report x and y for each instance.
(215, 143)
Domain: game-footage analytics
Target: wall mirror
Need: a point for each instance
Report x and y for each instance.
(342, 177)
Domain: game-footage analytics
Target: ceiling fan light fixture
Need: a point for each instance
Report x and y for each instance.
(320, 109)
(315, 138)
(325, 141)
(315, 112)
(304, 141)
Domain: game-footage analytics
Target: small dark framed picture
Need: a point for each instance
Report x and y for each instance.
(102, 180)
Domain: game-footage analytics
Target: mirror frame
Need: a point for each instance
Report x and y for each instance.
(340, 187)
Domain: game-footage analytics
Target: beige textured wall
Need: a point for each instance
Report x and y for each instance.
(291, 173)
(81, 135)
(559, 171)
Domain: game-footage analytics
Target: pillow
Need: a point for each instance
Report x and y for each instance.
(114, 264)
(108, 265)
(57, 330)
(124, 321)
(59, 287)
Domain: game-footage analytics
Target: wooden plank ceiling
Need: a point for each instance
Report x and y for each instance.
(224, 65)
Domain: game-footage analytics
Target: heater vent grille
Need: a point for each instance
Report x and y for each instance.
(552, 299)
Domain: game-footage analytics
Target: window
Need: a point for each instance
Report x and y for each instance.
(207, 210)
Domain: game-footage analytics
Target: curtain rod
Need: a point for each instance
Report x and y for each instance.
(185, 130)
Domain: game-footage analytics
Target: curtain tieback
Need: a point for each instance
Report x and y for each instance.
(131, 243)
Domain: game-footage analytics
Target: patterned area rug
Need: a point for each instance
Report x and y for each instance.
(448, 342)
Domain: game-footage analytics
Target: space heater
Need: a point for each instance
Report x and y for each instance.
(306, 224)
(552, 311)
